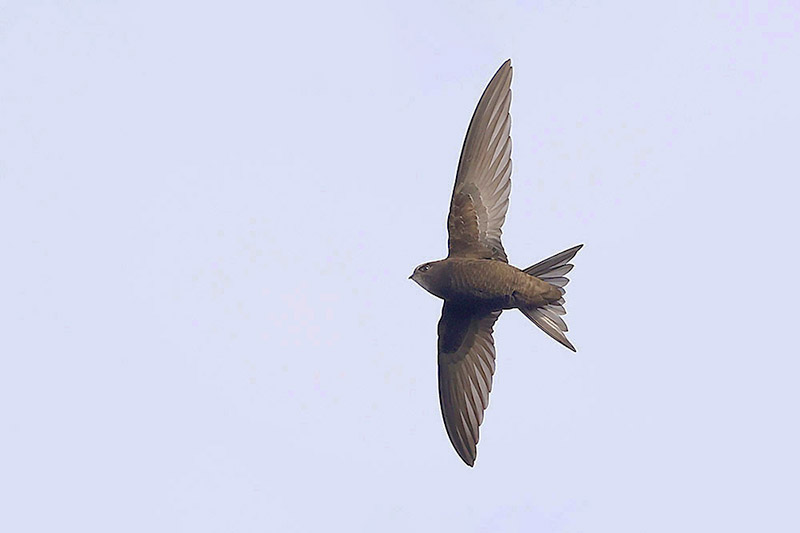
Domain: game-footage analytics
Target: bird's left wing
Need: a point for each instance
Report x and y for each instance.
(483, 181)
(466, 367)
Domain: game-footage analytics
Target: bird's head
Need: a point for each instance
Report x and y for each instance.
(429, 276)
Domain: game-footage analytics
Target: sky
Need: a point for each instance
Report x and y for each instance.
(209, 213)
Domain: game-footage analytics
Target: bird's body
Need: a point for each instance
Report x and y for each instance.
(475, 280)
(494, 285)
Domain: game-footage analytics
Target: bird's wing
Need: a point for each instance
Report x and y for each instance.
(483, 181)
(466, 367)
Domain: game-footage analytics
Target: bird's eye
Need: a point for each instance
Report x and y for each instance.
(424, 268)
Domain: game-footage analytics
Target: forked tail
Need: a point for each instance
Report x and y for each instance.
(554, 271)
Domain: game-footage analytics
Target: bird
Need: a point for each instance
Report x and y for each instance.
(476, 281)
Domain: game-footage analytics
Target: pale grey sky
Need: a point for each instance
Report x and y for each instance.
(209, 211)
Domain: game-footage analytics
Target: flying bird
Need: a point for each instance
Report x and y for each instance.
(475, 280)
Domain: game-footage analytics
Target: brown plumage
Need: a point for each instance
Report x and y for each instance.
(475, 280)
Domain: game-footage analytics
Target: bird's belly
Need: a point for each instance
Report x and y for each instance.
(499, 286)
(491, 284)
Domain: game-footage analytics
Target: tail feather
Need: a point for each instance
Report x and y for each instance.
(552, 265)
(553, 270)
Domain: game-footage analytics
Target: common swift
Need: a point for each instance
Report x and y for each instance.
(475, 280)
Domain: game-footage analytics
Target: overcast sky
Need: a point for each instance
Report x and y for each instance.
(209, 212)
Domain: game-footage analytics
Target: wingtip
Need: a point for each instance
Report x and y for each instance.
(504, 73)
(566, 343)
(465, 456)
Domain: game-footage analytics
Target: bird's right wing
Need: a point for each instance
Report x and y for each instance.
(466, 367)
(483, 182)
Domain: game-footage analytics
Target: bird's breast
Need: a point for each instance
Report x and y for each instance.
(483, 280)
